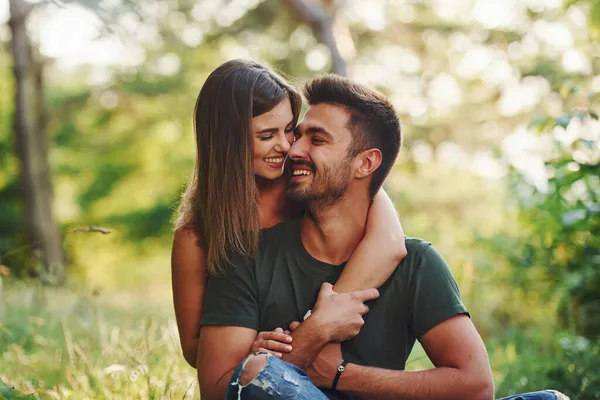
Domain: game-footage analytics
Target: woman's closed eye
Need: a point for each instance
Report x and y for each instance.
(265, 137)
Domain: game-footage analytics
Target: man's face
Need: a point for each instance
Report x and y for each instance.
(321, 168)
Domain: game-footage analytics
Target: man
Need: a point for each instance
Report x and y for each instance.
(345, 147)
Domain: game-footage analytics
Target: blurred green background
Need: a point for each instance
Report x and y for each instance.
(500, 170)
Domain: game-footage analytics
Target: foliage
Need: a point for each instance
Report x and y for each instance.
(68, 345)
(557, 251)
(525, 363)
(466, 80)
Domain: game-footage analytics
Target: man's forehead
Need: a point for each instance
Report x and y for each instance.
(329, 116)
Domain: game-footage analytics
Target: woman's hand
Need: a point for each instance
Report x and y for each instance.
(275, 342)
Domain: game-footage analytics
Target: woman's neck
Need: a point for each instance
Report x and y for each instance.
(271, 201)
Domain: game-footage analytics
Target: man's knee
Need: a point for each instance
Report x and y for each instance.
(252, 368)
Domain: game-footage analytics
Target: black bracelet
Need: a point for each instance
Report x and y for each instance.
(340, 369)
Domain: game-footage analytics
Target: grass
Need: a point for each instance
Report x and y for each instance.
(65, 344)
(60, 344)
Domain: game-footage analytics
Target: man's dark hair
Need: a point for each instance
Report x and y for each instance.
(373, 120)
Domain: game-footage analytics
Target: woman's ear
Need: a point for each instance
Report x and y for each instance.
(368, 162)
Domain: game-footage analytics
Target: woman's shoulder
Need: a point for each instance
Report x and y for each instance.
(186, 239)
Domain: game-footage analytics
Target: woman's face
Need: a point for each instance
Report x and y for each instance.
(273, 134)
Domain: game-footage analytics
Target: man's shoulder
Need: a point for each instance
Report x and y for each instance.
(415, 247)
(421, 258)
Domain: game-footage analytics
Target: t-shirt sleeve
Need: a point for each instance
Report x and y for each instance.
(434, 295)
(231, 299)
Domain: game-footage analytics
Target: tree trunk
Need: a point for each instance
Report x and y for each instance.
(32, 149)
(322, 22)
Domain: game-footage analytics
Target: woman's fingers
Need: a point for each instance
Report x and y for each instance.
(275, 335)
(276, 354)
(294, 325)
(276, 346)
(275, 342)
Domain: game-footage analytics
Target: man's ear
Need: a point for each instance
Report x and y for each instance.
(367, 162)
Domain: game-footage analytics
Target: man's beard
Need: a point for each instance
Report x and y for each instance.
(326, 189)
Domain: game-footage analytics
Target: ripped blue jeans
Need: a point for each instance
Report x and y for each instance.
(281, 380)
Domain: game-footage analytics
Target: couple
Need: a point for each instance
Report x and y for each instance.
(335, 226)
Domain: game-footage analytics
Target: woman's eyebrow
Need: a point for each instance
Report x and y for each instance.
(268, 130)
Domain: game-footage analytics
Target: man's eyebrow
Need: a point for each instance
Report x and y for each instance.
(317, 129)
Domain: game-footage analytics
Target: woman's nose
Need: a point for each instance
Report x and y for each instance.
(283, 146)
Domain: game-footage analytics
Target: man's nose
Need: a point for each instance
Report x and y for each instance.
(298, 149)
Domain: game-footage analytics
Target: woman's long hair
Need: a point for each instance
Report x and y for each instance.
(220, 203)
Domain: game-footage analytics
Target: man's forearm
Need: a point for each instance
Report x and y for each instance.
(308, 339)
(436, 384)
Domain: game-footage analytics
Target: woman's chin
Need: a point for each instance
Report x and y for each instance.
(270, 175)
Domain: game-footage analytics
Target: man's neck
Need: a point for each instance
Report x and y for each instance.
(331, 234)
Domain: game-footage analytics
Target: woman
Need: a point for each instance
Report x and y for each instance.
(244, 119)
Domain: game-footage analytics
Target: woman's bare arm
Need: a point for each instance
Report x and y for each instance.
(379, 252)
(188, 274)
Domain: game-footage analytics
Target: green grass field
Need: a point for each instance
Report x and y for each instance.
(61, 344)
(64, 344)
(58, 344)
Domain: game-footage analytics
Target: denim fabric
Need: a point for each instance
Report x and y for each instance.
(281, 380)
(277, 380)
(542, 395)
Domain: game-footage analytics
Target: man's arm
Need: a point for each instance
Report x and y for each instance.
(220, 350)
(462, 369)
(335, 317)
(440, 321)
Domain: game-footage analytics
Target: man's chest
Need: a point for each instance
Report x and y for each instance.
(385, 340)
(288, 292)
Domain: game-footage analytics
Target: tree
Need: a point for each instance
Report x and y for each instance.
(32, 148)
(321, 17)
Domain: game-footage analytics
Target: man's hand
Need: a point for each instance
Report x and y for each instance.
(323, 369)
(335, 318)
(341, 315)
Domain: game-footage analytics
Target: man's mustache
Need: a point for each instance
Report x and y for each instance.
(303, 163)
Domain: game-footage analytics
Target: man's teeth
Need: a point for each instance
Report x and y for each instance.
(297, 172)
(274, 160)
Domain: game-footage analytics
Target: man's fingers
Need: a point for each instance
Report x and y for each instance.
(364, 309)
(327, 288)
(366, 295)
(294, 325)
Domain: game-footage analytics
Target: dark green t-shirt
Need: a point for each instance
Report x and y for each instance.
(283, 282)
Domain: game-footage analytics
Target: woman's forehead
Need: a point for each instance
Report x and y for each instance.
(280, 115)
